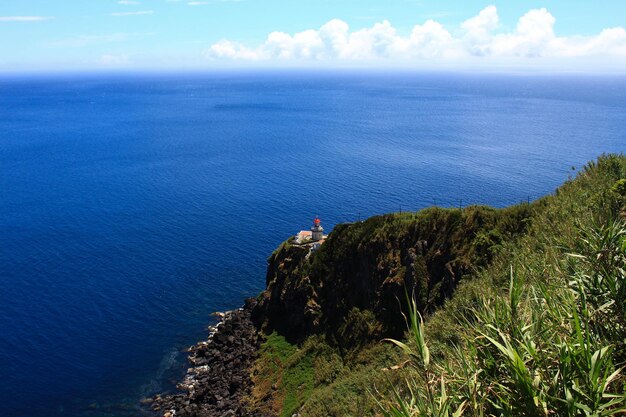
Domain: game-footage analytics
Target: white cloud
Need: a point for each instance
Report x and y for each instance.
(479, 36)
(533, 37)
(140, 13)
(24, 18)
(478, 31)
(197, 3)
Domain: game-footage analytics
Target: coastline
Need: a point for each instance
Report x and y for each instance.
(218, 378)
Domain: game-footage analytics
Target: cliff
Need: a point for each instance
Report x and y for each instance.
(352, 289)
(493, 284)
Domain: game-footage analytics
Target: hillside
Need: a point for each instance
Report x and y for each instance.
(363, 269)
(516, 301)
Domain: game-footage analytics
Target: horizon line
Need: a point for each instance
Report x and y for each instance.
(521, 71)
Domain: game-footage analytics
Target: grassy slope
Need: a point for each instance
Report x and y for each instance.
(320, 380)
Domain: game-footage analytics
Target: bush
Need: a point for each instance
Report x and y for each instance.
(538, 350)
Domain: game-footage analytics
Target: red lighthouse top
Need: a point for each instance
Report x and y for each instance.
(316, 221)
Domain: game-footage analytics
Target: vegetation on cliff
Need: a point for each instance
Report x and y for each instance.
(523, 306)
(350, 289)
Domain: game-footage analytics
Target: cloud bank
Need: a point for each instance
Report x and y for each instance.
(477, 37)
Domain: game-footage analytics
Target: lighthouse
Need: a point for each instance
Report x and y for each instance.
(317, 231)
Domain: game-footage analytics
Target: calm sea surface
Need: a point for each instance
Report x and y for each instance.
(132, 207)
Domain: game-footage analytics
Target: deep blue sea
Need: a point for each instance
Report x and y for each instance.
(133, 206)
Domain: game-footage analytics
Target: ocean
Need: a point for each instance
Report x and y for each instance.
(135, 205)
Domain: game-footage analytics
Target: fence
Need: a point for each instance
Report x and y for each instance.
(353, 216)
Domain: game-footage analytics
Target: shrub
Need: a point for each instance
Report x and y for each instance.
(540, 349)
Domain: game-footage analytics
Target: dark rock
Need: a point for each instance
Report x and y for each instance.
(219, 377)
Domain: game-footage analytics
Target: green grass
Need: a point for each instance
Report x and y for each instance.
(297, 381)
(276, 348)
(285, 372)
(539, 332)
(314, 379)
(536, 328)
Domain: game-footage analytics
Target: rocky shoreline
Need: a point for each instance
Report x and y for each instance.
(218, 381)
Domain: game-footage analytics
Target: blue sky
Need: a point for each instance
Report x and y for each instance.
(43, 35)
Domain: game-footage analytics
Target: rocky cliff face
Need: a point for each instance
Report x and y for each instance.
(353, 288)
(218, 379)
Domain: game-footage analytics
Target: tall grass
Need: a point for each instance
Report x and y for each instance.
(543, 348)
(535, 328)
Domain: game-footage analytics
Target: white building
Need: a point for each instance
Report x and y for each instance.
(315, 236)
(303, 236)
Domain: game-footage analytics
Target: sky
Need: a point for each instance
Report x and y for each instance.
(93, 35)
